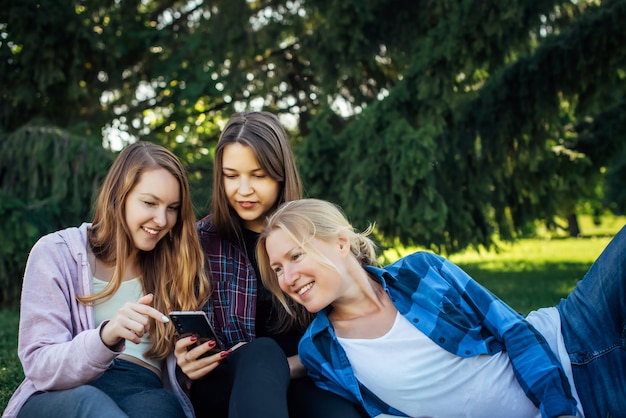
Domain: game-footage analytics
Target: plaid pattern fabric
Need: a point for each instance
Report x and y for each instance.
(232, 306)
(459, 315)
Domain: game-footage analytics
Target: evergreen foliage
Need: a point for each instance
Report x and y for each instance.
(480, 136)
(448, 123)
(49, 177)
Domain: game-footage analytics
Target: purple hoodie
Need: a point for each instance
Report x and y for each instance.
(59, 344)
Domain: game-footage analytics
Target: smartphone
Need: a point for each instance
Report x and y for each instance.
(196, 323)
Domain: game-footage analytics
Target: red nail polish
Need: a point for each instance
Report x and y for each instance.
(224, 353)
(211, 343)
(193, 338)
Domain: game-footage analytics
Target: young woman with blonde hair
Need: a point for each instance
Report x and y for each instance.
(420, 337)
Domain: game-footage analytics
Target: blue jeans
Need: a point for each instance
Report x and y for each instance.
(593, 323)
(124, 390)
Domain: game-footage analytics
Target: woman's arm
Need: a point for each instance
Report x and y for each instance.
(538, 370)
(56, 347)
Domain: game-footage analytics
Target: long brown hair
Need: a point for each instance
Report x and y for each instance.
(263, 133)
(174, 270)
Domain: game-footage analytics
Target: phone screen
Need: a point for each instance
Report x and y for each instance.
(196, 323)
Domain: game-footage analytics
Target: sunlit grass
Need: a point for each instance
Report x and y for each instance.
(533, 273)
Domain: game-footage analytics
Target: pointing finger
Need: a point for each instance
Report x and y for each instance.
(146, 309)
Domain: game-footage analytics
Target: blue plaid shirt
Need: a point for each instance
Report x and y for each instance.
(459, 315)
(232, 306)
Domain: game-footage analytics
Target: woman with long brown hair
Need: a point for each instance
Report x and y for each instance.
(94, 336)
(255, 171)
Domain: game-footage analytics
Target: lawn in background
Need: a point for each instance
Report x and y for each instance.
(527, 274)
(532, 273)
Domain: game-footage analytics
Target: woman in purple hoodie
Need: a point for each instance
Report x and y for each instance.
(94, 338)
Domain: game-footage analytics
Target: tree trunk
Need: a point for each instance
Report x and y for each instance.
(572, 225)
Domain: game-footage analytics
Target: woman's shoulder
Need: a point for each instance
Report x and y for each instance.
(213, 243)
(73, 237)
(66, 247)
(205, 225)
(208, 234)
(417, 260)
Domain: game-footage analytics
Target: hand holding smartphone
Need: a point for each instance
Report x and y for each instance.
(196, 323)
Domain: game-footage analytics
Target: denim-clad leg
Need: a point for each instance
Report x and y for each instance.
(593, 320)
(79, 402)
(138, 391)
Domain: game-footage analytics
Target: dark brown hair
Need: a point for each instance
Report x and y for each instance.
(263, 133)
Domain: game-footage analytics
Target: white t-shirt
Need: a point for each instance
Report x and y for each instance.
(431, 382)
(129, 291)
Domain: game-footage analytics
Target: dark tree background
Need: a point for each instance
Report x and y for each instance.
(448, 123)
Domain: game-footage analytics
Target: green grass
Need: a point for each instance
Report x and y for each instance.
(533, 273)
(10, 368)
(527, 274)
